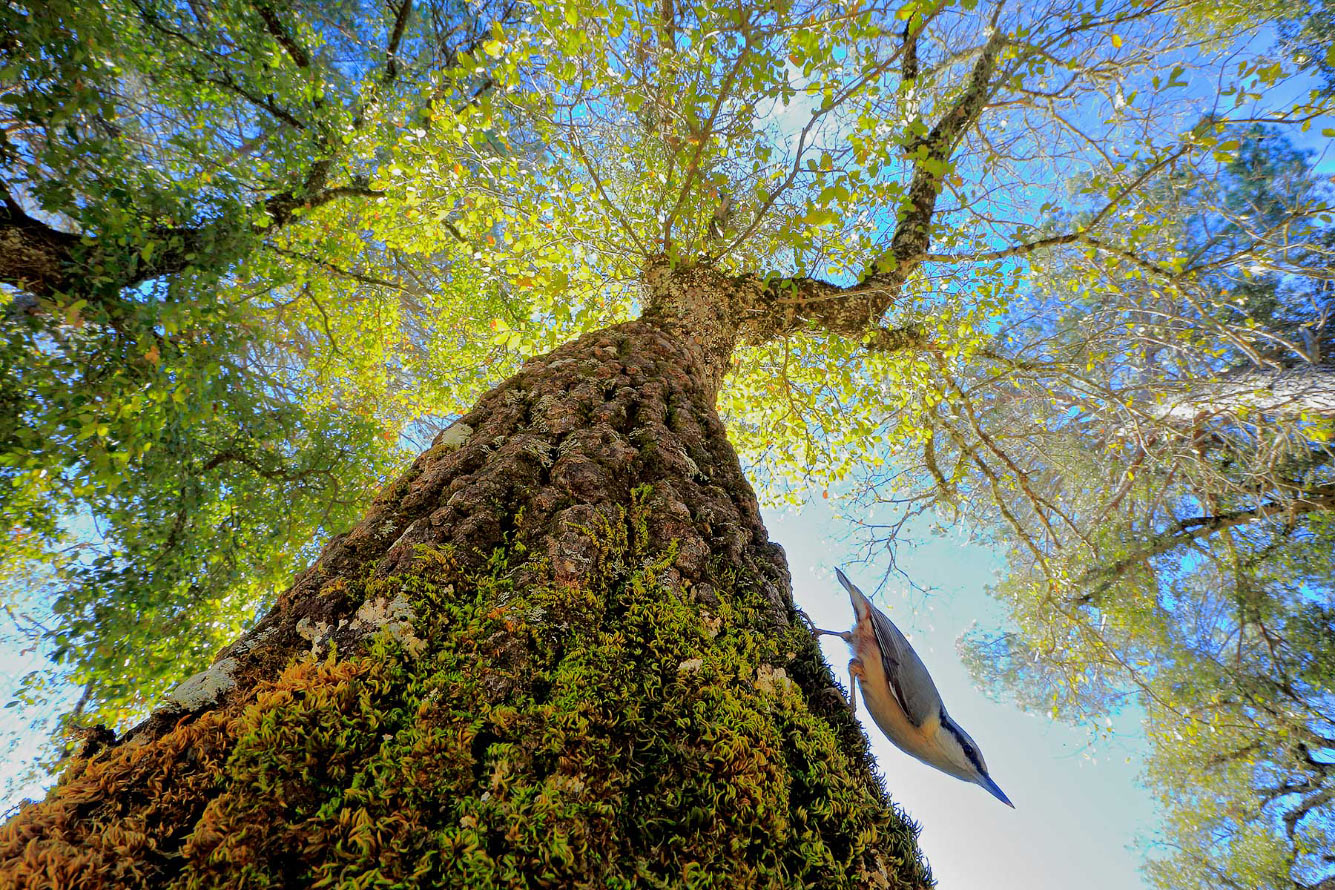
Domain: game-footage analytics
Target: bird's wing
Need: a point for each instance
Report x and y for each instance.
(907, 674)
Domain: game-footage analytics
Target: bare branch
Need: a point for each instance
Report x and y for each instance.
(1069, 237)
(1320, 498)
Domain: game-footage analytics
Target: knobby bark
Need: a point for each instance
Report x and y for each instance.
(559, 651)
(34, 257)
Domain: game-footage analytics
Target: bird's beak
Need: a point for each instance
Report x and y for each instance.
(861, 605)
(986, 781)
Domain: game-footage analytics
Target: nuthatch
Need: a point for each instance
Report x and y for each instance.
(721, 221)
(902, 698)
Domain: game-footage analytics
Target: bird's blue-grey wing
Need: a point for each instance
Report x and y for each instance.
(907, 674)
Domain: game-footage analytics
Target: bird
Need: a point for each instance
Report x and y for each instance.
(721, 221)
(901, 697)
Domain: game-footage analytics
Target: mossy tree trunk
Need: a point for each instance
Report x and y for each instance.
(560, 651)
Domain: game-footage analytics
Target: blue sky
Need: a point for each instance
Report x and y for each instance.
(1080, 809)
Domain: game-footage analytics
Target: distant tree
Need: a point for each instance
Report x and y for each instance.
(1151, 437)
(1308, 32)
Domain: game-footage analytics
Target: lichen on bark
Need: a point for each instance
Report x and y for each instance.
(559, 651)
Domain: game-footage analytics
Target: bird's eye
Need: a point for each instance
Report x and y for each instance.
(972, 754)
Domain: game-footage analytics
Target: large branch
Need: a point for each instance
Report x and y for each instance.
(279, 32)
(34, 257)
(395, 38)
(790, 304)
(45, 262)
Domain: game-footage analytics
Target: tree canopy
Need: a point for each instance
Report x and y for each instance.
(1049, 269)
(210, 347)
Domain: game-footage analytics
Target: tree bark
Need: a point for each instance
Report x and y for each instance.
(1302, 391)
(559, 651)
(34, 257)
(44, 263)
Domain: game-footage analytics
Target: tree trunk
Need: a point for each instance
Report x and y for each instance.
(559, 651)
(1306, 391)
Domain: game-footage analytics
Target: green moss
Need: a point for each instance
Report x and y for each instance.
(617, 735)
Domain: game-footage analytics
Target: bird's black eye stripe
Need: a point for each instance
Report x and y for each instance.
(969, 751)
(972, 753)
